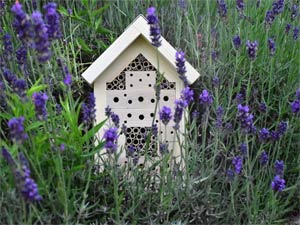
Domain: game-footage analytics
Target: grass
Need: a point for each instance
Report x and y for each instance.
(202, 193)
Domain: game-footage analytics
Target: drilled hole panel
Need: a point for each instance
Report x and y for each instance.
(140, 63)
(137, 137)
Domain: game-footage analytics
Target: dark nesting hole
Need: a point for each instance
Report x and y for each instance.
(141, 117)
(129, 115)
(125, 121)
(135, 142)
(116, 99)
(171, 85)
(132, 136)
(156, 121)
(143, 141)
(140, 80)
(172, 132)
(152, 100)
(129, 101)
(150, 85)
(131, 85)
(125, 95)
(141, 99)
(128, 129)
(139, 67)
(143, 130)
(128, 141)
(153, 146)
(139, 136)
(148, 74)
(166, 98)
(135, 130)
(151, 114)
(131, 74)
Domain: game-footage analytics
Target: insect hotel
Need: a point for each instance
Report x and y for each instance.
(124, 79)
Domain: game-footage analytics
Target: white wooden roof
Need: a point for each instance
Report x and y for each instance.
(138, 27)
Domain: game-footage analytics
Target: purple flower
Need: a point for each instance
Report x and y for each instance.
(245, 118)
(222, 8)
(108, 111)
(8, 47)
(263, 107)
(275, 136)
(282, 127)
(16, 128)
(239, 98)
(298, 94)
(252, 49)
(187, 94)
(279, 166)
(165, 115)
(264, 158)
(111, 137)
(296, 33)
(236, 40)
(22, 25)
(243, 149)
(294, 12)
(68, 79)
(180, 64)
(7, 156)
(272, 46)
(163, 148)
(295, 106)
(154, 27)
(215, 81)
(240, 5)
(42, 44)
(21, 55)
(230, 174)
(88, 109)
(19, 87)
(237, 162)
(52, 21)
(205, 98)
(264, 134)
(220, 113)
(154, 130)
(40, 99)
(115, 119)
(179, 106)
(278, 183)
(278, 7)
(2, 95)
(288, 28)
(269, 18)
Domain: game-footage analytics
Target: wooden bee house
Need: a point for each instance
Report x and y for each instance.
(124, 77)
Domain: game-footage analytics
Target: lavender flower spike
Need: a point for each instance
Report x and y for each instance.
(252, 49)
(16, 127)
(111, 137)
(42, 45)
(40, 100)
(272, 46)
(278, 184)
(205, 98)
(154, 27)
(180, 64)
(52, 21)
(237, 162)
(222, 8)
(236, 40)
(165, 115)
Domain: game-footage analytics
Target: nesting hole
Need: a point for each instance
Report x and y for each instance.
(166, 98)
(116, 99)
(141, 99)
(141, 117)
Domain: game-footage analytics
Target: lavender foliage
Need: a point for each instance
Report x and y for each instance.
(279, 167)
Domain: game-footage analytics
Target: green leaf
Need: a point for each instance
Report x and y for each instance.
(103, 30)
(81, 44)
(93, 131)
(94, 151)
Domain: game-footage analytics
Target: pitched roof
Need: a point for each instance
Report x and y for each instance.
(138, 27)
